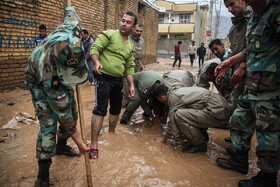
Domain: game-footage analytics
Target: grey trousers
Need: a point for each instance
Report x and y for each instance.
(191, 120)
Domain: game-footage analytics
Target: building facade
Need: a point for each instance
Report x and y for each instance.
(181, 22)
(20, 21)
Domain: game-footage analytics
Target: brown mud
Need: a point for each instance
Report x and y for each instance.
(129, 157)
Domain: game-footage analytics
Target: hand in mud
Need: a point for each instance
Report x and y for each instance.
(161, 139)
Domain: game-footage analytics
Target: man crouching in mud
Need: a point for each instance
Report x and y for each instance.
(55, 65)
(191, 111)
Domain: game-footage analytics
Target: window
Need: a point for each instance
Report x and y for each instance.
(163, 36)
(185, 18)
(161, 19)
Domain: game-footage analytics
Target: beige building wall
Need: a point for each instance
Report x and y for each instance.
(171, 25)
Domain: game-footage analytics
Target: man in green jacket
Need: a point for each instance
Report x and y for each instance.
(112, 54)
(191, 111)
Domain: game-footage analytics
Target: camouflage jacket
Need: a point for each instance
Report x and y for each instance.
(41, 67)
(263, 53)
(41, 74)
(138, 51)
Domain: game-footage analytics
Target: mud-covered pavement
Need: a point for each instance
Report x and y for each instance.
(128, 158)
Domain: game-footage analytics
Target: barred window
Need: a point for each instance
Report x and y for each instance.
(185, 18)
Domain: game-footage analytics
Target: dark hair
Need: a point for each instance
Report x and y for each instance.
(42, 27)
(84, 31)
(140, 25)
(130, 13)
(179, 42)
(160, 90)
(215, 42)
(211, 68)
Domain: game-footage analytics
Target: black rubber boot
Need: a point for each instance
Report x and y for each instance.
(230, 150)
(44, 173)
(63, 149)
(195, 148)
(262, 179)
(238, 162)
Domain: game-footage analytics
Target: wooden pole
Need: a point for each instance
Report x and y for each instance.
(67, 3)
(81, 117)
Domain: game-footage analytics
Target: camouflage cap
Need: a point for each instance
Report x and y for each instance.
(71, 65)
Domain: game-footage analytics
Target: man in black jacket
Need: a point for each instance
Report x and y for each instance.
(201, 52)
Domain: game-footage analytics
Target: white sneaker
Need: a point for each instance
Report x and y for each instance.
(173, 68)
(179, 68)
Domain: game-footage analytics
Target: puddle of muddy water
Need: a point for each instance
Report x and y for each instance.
(129, 157)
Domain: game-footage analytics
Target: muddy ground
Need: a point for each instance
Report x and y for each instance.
(128, 158)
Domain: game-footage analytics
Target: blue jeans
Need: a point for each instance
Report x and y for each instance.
(90, 69)
(191, 58)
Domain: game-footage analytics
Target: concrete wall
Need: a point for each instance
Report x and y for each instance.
(166, 47)
(20, 19)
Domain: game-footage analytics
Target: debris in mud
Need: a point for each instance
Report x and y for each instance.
(8, 136)
(20, 117)
(10, 104)
(26, 118)
(12, 124)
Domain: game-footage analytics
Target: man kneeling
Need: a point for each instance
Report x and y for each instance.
(191, 111)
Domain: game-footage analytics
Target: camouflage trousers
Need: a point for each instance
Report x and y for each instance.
(47, 116)
(264, 116)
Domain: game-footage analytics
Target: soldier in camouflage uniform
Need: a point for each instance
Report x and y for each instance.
(260, 108)
(242, 13)
(54, 66)
(137, 40)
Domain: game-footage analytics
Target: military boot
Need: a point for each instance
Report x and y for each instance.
(195, 148)
(228, 139)
(262, 179)
(44, 173)
(63, 149)
(238, 162)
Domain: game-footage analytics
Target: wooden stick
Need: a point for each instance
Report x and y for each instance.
(81, 117)
(67, 3)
